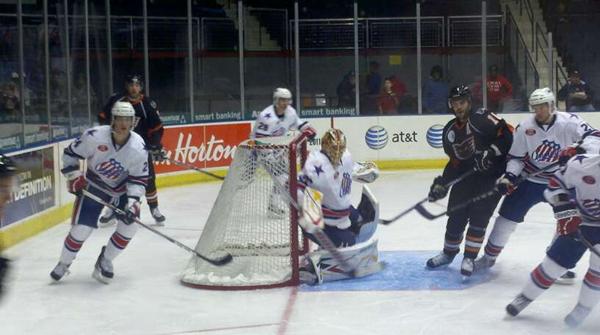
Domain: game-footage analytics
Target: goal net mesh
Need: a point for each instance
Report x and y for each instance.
(253, 221)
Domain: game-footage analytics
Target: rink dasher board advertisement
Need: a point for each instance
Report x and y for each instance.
(36, 187)
(202, 145)
(404, 138)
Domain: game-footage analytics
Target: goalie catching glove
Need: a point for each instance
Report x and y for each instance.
(365, 172)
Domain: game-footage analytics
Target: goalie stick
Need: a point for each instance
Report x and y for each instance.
(191, 167)
(218, 262)
(419, 205)
(316, 231)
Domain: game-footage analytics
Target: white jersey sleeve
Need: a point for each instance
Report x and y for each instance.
(137, 169)
(518, 152)
(81, 148)
(591, 142)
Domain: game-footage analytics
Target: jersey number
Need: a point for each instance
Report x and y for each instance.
(263, 126)
(145, 169)
(346, 184)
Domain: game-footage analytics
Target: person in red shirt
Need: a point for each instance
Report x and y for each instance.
(499, 90)
(388, 100)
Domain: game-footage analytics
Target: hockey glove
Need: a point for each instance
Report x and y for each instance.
(567, 153)
(484, 160)
(157, 152)
(567, 219)
(132, 212)
(437, 190)
(75, 182)
(308, 130)
(507, 183)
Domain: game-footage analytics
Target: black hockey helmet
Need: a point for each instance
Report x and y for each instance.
(460, 92)
(7, 166)
(134, 79)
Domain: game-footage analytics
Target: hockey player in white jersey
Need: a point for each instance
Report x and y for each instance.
(274, 121)
(117, 172)
(280, 117)
(331, 171)
(538, 141)
(574, 193)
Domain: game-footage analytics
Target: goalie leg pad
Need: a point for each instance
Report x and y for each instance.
(364, 258)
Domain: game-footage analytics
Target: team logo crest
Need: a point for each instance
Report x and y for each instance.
(546, 152)
(451, 136)
(110, 169)
(103, 148)
(589, 180)
(530, 132)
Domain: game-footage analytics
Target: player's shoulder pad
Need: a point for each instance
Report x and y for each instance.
(137, 143)
(484, 122)
(149, 102)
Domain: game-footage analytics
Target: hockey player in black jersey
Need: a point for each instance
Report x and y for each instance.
(473, 140)
(7, 176)
(150, 127)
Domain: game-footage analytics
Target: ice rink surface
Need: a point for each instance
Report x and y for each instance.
(146, 296)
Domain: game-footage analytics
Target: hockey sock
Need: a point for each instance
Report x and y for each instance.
(119, 239)
(152, 199)
(542, 277)
(452, 243)
(590, 290)
(73, 242)
(501, 232)
(474, 240)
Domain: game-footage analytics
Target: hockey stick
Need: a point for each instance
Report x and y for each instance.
(587, 243)
(324, 240)
(419, 205)
(218, 262)
(430, 216)
(191, 167)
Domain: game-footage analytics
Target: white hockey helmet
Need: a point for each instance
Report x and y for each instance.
(281, 93)
(124, 109)
(541, 96)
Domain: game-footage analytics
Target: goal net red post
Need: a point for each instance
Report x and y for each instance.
(253, 222)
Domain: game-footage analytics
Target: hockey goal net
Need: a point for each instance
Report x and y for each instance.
(252, 221)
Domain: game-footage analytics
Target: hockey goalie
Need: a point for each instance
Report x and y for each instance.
(324, 188)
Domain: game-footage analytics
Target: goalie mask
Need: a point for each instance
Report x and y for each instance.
(333, 145)
(123, 109)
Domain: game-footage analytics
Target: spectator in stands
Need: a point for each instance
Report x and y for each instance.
(398, 86)
(576, 93)
(346, 91)
(373, 79)
(435, 92)
(388, 101)
(9, 103)
(499, 90)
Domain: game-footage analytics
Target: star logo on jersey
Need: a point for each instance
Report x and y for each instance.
(579, 158)
(318, 169)
(546, 152)
(110, 169)
(267, 116)
(91, 132)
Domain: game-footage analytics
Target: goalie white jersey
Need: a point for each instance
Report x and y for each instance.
(334, 182)
(581, 176)
(536, 146)
(269, 124)
(114, 170)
